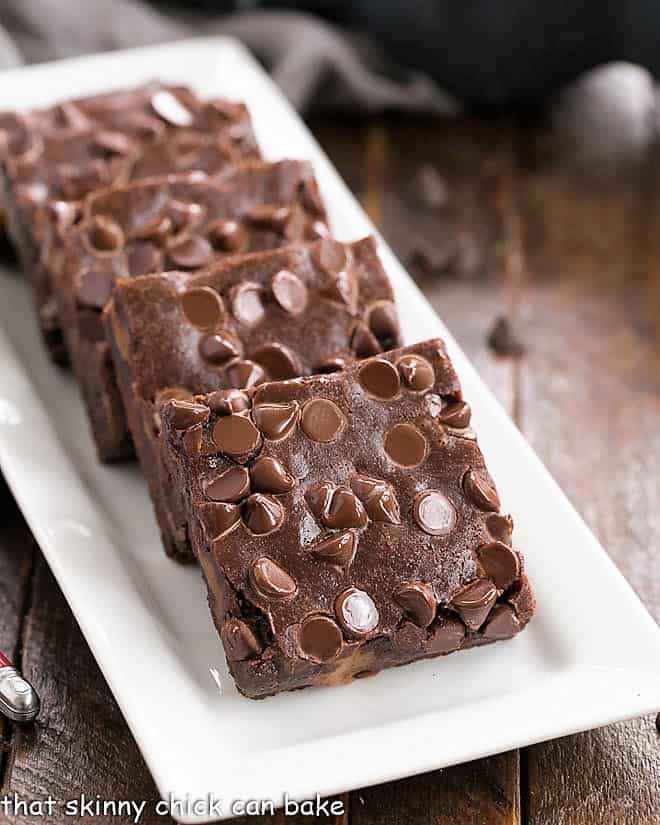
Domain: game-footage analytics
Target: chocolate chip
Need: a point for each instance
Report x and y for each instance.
(337, 363)
(320, 638)
(289, 292)
(143, 257)
(502, 624)
(263, 515)
(270, 580)
(434, 513)
(236, 436)
(446, 636)
(239, 641)
(243, 374)
(379, 378)
(192, 440)
(329, 256)
(219, 518)
(363, 342)
(317, 230)
(456, 414)
(233, 485)
(383, 321)
(480, 490)
(112, 143)
(356, 612)
(474, 601)
(378, 498)
(247, 305)
(104, 235)
(191, 253)
(275, 421)
(344, 289)
(269, 476)
(345, 510)
(405, 445)
(170, 109)
(500, 563)
(270, 217)
(418, 601)
(322, 420)
(225, 402)
(416, 372)
(338, 550)
(184, 414)
(279, 362)
(184, 216)
(202, 306)
(311, 197)
(227, 235)
(500, 527)
(95, 288)
(219, 347)
(504, 340)
(318, 498)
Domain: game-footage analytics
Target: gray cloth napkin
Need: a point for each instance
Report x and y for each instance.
(318, 66)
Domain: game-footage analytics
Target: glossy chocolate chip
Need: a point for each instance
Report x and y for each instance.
(455, 414)
(227, 235)
(329, 256)
(219, 518)
(383, 321)
(405, 445)
(279, 361)
(416, 372)
(500, 527)
(322, 420)
(336, 363)
(474, 602)
(143, 257)
(170, 109)
(219, 347)
(270, 580)
(320, 638)
(192, 440)
(184, 216)
(202, 306)
(345, 510)
(276, 421)
(247, 305)
(363, 342)
(270, 217)
(500, 563)
(434, 513)
(191, 253)
(243, 374)
(225, 402)
(379, 378)
(262, 514)
(318, 498)
(239, 641)
(269, 476)
(236, 436)
(502, 623)
(378, 498)
(418, 601)
(356, 612)
(338, 550)
(233, 485)
(480, 490)
(289, 292)
(104, 235)
(184, 414)
(446, 636)
(344, 289)
(95, 288)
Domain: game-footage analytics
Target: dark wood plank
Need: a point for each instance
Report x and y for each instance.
(590, 391)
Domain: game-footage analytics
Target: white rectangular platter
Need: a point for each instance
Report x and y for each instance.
(591, 656)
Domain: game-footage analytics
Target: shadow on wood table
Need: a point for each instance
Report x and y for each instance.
(551, 219)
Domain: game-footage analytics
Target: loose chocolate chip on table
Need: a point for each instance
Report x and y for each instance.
(270, 580)
(242, 374)
(186, 414)
(474, 602)
(232, 485)
(456, 414)
(500, 527)
(289, 292)
(502, 623)
(263, 515)
(219, 347)
(239, 641)
(219, 518)
(356, 612)
(275, 421)
(379, 378)
(269, 476)
(434, 513)
(338, 550)
(95, 288)
(278, 361)
(227, 235)
(345, 510)
(418, 601)
(405, 445)
(322, 420)
(236, 436)
(480, 490)
(320, 638)
(225, 402)
(446, 636)
(416, 372)
(329, 256)
(191, 253)
(202, 306)
(383, 321)
(500, 563)
(504, 340)
(247, 305)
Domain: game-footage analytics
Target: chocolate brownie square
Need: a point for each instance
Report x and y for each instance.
(266, 316)
(181, 221)
(345, 523)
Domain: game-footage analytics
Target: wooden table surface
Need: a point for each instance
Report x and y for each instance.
(553, 220)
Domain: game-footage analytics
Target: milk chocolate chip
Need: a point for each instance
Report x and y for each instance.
(236, 436)
(239, 641)
(434, 513)
(378, 498)
(384, 323)
(226, 402)
(270, 580)
(232, 485)
(446, 636)
(322, 420)
(219, 347)
(502, 624)
(95, 288)
(276, 421)
(356, 612)
(500, 527)
(289, 292)
(143, 257)
(474, 601)
(455, 414)
(500, 563)
(242, 374)
(405, 445)
(104, 235)
(263, 515)
(320, 638)
(363, 342)
(191, 253)
(418, 601)
(416, 372)
(379, 378)
(329, 256)
(184, 414)
(278, 361)
(227, 235)
(269, 476)
(202, 306)
(318, 497)
(247, 305)
(480, 490)
(219, 518)
(345, 510)
(338, 550)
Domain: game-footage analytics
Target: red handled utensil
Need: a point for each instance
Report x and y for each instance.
(19, 701)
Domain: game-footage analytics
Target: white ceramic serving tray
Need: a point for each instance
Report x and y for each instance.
(591, 656)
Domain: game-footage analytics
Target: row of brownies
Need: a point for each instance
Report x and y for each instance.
(326, 479)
